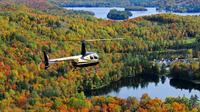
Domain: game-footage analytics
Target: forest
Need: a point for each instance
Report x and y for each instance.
(25, 32)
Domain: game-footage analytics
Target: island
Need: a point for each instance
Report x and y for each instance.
(135, 8)
(119, 15)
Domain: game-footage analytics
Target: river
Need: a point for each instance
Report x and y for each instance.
(101, 12)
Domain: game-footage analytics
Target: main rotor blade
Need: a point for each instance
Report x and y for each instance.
(92, 40)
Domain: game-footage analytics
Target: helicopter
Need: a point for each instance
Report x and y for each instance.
(85, 59)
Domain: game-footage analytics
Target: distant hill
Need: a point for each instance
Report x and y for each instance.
(99, 3)
(184, 2)
(91, 3)
(173, 2)
(41, 5)
(169, 5)
(45, 4)
(36, 4)
(179, 5)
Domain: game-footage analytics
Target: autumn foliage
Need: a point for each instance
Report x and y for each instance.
(26, 32)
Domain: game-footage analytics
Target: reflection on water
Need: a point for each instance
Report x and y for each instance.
(155, 86)
(182, 84)
(130, 82)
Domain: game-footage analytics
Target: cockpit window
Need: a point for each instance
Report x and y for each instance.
(91, 57)
(95, 57)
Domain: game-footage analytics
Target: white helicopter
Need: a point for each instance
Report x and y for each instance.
(85, 59)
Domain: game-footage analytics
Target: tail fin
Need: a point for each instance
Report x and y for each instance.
(83, 49)
(46, 60)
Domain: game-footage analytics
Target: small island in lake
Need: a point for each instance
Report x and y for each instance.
(119, 15)
(135, 8)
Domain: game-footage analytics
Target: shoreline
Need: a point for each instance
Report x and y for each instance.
(166, 11)
(197, 82)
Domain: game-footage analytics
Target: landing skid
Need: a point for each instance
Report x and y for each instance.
(87, 69)
(76, 69)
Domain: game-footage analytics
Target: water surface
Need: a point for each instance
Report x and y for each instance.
(101, 12)
(152, 85)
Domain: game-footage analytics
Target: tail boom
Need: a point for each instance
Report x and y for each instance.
(48, 61)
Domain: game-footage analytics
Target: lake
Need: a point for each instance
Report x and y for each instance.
(154, 86)
(101, 12)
